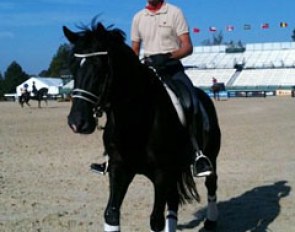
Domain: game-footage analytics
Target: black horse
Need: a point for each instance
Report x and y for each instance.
(40, 95)
(143, 134)
(216, 89)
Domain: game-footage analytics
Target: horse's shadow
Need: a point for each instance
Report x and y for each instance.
(252, 211)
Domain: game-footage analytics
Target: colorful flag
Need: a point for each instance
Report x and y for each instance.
(283, 24)
(196, 30)
(247, 27)
(230, 28)
(265, 26)
(212, 29)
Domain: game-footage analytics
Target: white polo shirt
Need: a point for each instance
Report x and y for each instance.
(158, 32)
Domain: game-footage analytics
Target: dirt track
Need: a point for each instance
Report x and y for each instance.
(46, 185)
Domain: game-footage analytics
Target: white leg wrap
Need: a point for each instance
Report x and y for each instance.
(171, 221)
(212, 210)
(110, 228)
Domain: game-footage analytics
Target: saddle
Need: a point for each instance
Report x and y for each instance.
(189, 108)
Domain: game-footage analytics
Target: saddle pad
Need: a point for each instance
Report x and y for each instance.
(177, 105)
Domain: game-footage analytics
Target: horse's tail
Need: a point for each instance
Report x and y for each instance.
(187, 188)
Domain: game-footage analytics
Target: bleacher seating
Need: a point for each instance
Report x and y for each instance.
(264, 65)
(267, 55)
(266, 77)
(203, 78)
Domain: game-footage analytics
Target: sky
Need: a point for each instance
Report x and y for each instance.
(31, 30)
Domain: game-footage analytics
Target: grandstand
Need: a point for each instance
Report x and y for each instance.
(260, 66)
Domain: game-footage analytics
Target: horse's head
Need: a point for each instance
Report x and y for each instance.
(90, 66)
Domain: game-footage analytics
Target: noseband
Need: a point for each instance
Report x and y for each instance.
(85, 95)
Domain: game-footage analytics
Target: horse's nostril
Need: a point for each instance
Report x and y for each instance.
(73, 127)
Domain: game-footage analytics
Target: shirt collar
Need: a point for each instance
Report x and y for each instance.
(162, 10)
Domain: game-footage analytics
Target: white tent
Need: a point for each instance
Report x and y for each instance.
(53, 84)
(69, 85)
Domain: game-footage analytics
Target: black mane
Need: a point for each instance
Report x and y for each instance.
(111, 33)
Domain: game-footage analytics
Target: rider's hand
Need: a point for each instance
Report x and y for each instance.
(158, 61)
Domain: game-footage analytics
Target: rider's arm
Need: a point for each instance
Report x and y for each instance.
(186, 47)
(136, 47)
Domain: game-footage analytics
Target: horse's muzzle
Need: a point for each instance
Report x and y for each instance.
(80, 125)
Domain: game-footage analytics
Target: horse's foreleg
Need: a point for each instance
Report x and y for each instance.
(119, 182)
(157, 218)
(172, 204)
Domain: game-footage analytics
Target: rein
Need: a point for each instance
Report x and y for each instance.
(90, 97)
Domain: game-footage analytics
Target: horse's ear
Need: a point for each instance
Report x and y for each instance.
(71, 36)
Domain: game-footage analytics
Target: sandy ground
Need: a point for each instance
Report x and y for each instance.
(46, 185)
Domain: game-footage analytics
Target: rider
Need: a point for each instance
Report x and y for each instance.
(23, 92)
(34, 89)
(214, 81)
(164, 34)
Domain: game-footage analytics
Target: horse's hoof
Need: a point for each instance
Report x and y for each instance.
(210, 225)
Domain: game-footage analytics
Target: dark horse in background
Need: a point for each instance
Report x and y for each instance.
(40, 95)
(143, 134)
(216, 88)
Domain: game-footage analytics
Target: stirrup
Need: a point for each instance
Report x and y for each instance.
(202, 173)
(107, 158)
(106, 167)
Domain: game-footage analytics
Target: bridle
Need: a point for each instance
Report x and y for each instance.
(99, 106)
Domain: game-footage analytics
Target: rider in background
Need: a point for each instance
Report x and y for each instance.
(34, 89)
(163, 33)
(24, 92)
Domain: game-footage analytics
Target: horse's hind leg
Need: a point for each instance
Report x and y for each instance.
(212, 150)
(211, 185)
(212, 210)
(119, 182)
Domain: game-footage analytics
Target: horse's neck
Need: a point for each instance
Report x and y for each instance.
(131, 80)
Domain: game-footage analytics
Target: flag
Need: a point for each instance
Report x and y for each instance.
(212, 29)
(283, 24)
(230, 28)
(247, 27)
(265, 26)
(196, 30)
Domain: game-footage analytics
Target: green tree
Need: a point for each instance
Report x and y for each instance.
(1, 86)
(293, 35)
(59, 62)
(217, 39)
(14, 76)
